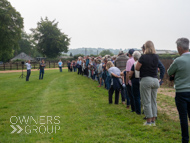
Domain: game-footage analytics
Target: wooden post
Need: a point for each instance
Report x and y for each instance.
(10, 66)
(49, 64)
(17, 65)
(4, 66)
(54, 64)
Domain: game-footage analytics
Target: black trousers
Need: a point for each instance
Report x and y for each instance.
(111, 90)
(28, 75)
(132, 100)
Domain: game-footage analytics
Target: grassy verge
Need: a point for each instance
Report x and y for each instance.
(84, 113)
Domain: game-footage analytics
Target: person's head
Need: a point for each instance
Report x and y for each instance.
(136, 55)
(182, 45)
(130, 52)
(149, 48)
(121, 53)
(143, 48)
(109, 65)
(60, 60)
(42, 60)
(28, 61)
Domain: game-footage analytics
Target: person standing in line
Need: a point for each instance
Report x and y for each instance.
(115, 82)
(28, 66)
(149, 84)
(120, 63)
(180, 70)
(42, 66)
(135, 78)
(129, 64)
(60, 64)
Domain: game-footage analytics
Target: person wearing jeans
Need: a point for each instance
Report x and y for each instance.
(42, 66)
(28, 66)
(60, 65)
(180, 70)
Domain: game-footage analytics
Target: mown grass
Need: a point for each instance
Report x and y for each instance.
(85, 115)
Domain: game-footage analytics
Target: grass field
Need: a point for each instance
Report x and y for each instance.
(77, 110)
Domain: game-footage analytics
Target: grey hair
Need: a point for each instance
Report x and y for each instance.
(136, 55)
(183, 43)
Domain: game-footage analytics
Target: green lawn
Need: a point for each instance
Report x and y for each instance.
(79, 108)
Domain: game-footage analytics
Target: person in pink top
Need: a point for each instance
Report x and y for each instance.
(129, 64)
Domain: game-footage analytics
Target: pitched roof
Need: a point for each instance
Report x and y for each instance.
(23, 56)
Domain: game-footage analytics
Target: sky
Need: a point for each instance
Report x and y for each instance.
(116, 24)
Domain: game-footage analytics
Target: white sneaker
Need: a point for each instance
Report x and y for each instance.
(147, 124)
(153, 123)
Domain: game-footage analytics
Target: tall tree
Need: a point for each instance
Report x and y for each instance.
(50, 41)
(11, 24)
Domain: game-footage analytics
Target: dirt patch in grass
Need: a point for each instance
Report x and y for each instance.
(166, 108)
(11, 71)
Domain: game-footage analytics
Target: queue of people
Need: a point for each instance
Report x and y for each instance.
(138, 83)
(130, 75)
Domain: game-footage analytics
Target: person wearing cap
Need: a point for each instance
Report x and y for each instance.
(129, 64)
(120, 63)
(149, 84)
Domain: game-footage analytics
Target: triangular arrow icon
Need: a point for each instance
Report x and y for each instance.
(19, 128)
(14, 129)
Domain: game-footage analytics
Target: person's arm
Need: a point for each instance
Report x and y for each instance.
(122, 73)
(162, 69)
(172, 69)
(127, 77)
(131, 74)
(138, 66)
(115, 75)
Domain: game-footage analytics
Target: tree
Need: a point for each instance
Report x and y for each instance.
(106, 52)
(49, 39)
(71, 54)
(11, 24)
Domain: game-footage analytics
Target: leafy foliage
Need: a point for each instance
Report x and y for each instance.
(49, 40)
(26, 45)
(11, 24)
(106, 52)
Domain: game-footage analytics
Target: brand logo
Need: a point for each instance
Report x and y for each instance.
(39, 124)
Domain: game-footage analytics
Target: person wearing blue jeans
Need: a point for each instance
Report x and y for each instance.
(42, 66)
(60, 65)
(179, 70)
(28, 66)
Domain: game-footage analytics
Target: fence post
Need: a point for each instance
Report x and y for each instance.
(10, 66)
(54, 64)
(17, 65)
(49, 64)
(4, 66)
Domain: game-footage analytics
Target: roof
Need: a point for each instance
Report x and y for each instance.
(23, 56)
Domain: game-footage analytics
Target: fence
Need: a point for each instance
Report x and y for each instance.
(35, 65)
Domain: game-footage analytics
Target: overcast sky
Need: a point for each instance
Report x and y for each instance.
(117, 24)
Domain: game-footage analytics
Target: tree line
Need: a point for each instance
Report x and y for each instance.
(45, 40)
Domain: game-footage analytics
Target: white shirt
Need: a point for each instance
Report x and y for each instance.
(28, 66)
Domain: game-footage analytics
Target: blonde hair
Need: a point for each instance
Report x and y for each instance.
(109, 64)
(149, 48)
